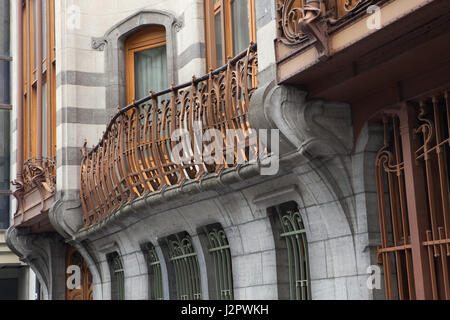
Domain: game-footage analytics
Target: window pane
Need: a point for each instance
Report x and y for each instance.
(240, 23)
(44, 29)
(218, 36)
(45, 123)
(4, 150)
(4, 82)
(35, 32)
(4, 212)
(150, 71)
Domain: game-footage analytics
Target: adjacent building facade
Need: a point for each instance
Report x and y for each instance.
(347, 199)
(17, 281)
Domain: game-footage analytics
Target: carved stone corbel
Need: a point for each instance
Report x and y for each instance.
(312, 128)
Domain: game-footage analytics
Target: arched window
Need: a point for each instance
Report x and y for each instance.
(146, 62)
(185, 267)
(117, 276)
(230, 27)
(292, 252)
(154, 272)
(219, 249)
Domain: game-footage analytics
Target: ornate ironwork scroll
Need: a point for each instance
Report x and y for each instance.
(38, 177)
(297, 17)
(135, 155)
(187, 271)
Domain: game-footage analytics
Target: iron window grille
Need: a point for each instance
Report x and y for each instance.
(187, 271)
(219, 248)
(117, 277)
(154, 272)
(294, 235)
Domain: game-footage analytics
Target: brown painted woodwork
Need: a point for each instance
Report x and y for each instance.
(134, 156)
(35, 77)
(223, 7)
(20, 96)
(375, 72)
(416, 154)
(85, 292)
(36, 173)
(148, 38)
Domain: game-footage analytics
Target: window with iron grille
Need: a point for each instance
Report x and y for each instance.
(154, 272)
(117, 277)
(413, 189)
(292, 233)
(187, 271)
(219, 248)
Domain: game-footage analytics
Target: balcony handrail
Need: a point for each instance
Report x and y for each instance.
(137, 154)
(134, 104)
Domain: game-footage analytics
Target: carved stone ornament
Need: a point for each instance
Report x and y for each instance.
(98, 44)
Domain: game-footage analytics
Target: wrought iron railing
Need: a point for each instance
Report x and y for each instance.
(291, 14)
(135, 155)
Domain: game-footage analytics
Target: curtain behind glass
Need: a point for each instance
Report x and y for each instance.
(150, 69)
(240, 24)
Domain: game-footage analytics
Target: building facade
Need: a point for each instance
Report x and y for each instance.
(17, 281)
(345, 103)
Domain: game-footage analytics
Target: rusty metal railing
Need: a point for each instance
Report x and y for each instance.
(135, 155)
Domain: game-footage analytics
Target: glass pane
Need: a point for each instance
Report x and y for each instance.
(4, 82)
(240, 23)
(4, 212)
(218, 36)
(45, 123)
(4, 31)
(4, 150)
(150, 70)
(44, 29)
(35, 32)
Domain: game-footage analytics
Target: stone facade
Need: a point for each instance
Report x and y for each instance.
(323, 169)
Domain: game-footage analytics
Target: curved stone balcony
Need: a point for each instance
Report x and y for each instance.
(137, 154)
